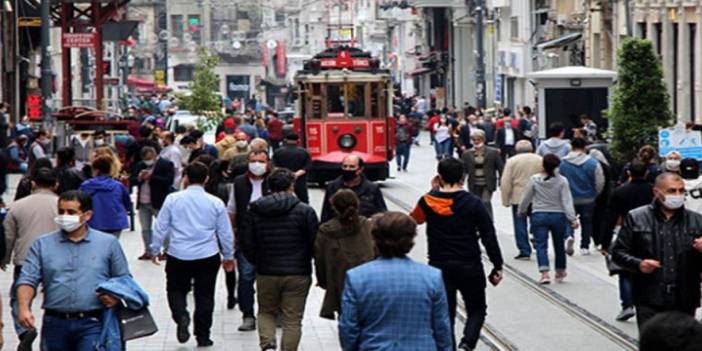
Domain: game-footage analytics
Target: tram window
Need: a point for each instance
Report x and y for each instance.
(335, 100)
(314, 99)
(357, 100)
(377, 100)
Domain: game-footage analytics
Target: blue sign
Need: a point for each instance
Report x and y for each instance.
(498, 88)
(687, 142)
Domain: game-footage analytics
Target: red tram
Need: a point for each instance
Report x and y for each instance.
(345, 107)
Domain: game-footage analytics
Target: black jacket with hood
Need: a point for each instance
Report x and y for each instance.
(278, 238)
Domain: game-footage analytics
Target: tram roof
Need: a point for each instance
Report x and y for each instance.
(342, 75)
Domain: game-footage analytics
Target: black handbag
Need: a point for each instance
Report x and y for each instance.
(135, 324)
(613, 267)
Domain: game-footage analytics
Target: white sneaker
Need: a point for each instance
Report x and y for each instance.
(570, 241)
(585, 252)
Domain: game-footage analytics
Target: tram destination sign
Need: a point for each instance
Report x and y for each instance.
(344, 60)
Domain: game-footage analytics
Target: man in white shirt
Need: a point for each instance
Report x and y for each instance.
(172, 153)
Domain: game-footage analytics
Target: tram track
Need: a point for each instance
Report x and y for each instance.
(495, 340)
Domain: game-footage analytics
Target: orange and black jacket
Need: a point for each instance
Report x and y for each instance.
(455, 222)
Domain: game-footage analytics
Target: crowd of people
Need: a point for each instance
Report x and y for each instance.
(241, 205)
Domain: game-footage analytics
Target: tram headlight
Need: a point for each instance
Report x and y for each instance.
(347, 141)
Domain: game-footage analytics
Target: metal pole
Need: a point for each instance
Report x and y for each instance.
(480, 54)
(46, 74)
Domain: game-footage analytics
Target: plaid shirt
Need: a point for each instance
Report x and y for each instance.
(394, 304)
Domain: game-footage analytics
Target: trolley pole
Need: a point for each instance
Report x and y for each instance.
(46, 73)
(480, 53)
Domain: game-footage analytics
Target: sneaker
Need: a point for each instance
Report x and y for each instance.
(545, 279)
(182, 332)
(204, 342)
(26, 340)
(585, 252)
(231, 302)
(626, 314)
(248, 324)
(522, 257)
(271, 347)
(464, 347)
(145, 257)
(560, 276)
(570, 241)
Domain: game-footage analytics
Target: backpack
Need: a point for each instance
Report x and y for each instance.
(402, 135)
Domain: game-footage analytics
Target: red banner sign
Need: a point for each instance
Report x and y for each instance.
(78, 40)
(34, 107)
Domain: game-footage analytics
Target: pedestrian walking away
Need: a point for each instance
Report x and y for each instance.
(517, 172)
(111, 200)
(456, 220)
(64, 263)
(296, 159)
(555, 144)
(342, 243)
(586, 180)
(393, 302)
(352, 178)
(278, 239)
(200, 232)
(661, 244)
(549, 196)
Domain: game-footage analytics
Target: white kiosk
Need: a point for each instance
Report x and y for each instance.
(566, 93)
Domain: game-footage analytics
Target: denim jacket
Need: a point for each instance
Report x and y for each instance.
(127, 290)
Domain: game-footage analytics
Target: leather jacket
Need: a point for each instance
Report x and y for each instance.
(677, 283)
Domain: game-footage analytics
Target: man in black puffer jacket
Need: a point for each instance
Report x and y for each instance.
(278, 240)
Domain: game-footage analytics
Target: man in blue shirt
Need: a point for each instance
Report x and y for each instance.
(394, 303)
(199, 229)
(70, 264)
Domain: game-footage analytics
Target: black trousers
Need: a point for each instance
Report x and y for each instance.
(470, 282)
(644, 313)
(202, 276)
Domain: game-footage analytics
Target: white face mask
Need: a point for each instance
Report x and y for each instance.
(149, 163)
(241, 144)
(68, 223)
(99, 142)
(257, 168)
(674, 202)
(673, 164)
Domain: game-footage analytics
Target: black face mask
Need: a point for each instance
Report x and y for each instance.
(348, 175)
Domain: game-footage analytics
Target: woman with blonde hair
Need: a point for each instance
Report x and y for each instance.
(115, 164)
(342, 243)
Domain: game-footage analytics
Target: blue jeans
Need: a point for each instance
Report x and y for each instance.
(147, 213)
(59, 334)
(625, 291)
(586, 212)
(541, 224)
(521, 232)
(403, 154)
(444, 148)
(245, 288)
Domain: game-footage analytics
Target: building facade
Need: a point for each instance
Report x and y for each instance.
(675, 29)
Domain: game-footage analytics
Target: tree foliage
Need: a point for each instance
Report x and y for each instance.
(641, 104)
(203, 99)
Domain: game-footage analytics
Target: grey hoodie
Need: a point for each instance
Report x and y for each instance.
(552, 195)
(556, 146)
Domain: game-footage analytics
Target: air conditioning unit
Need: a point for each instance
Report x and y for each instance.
(501, 3)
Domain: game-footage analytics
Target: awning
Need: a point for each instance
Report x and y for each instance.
(144, 83)
(558, 42)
